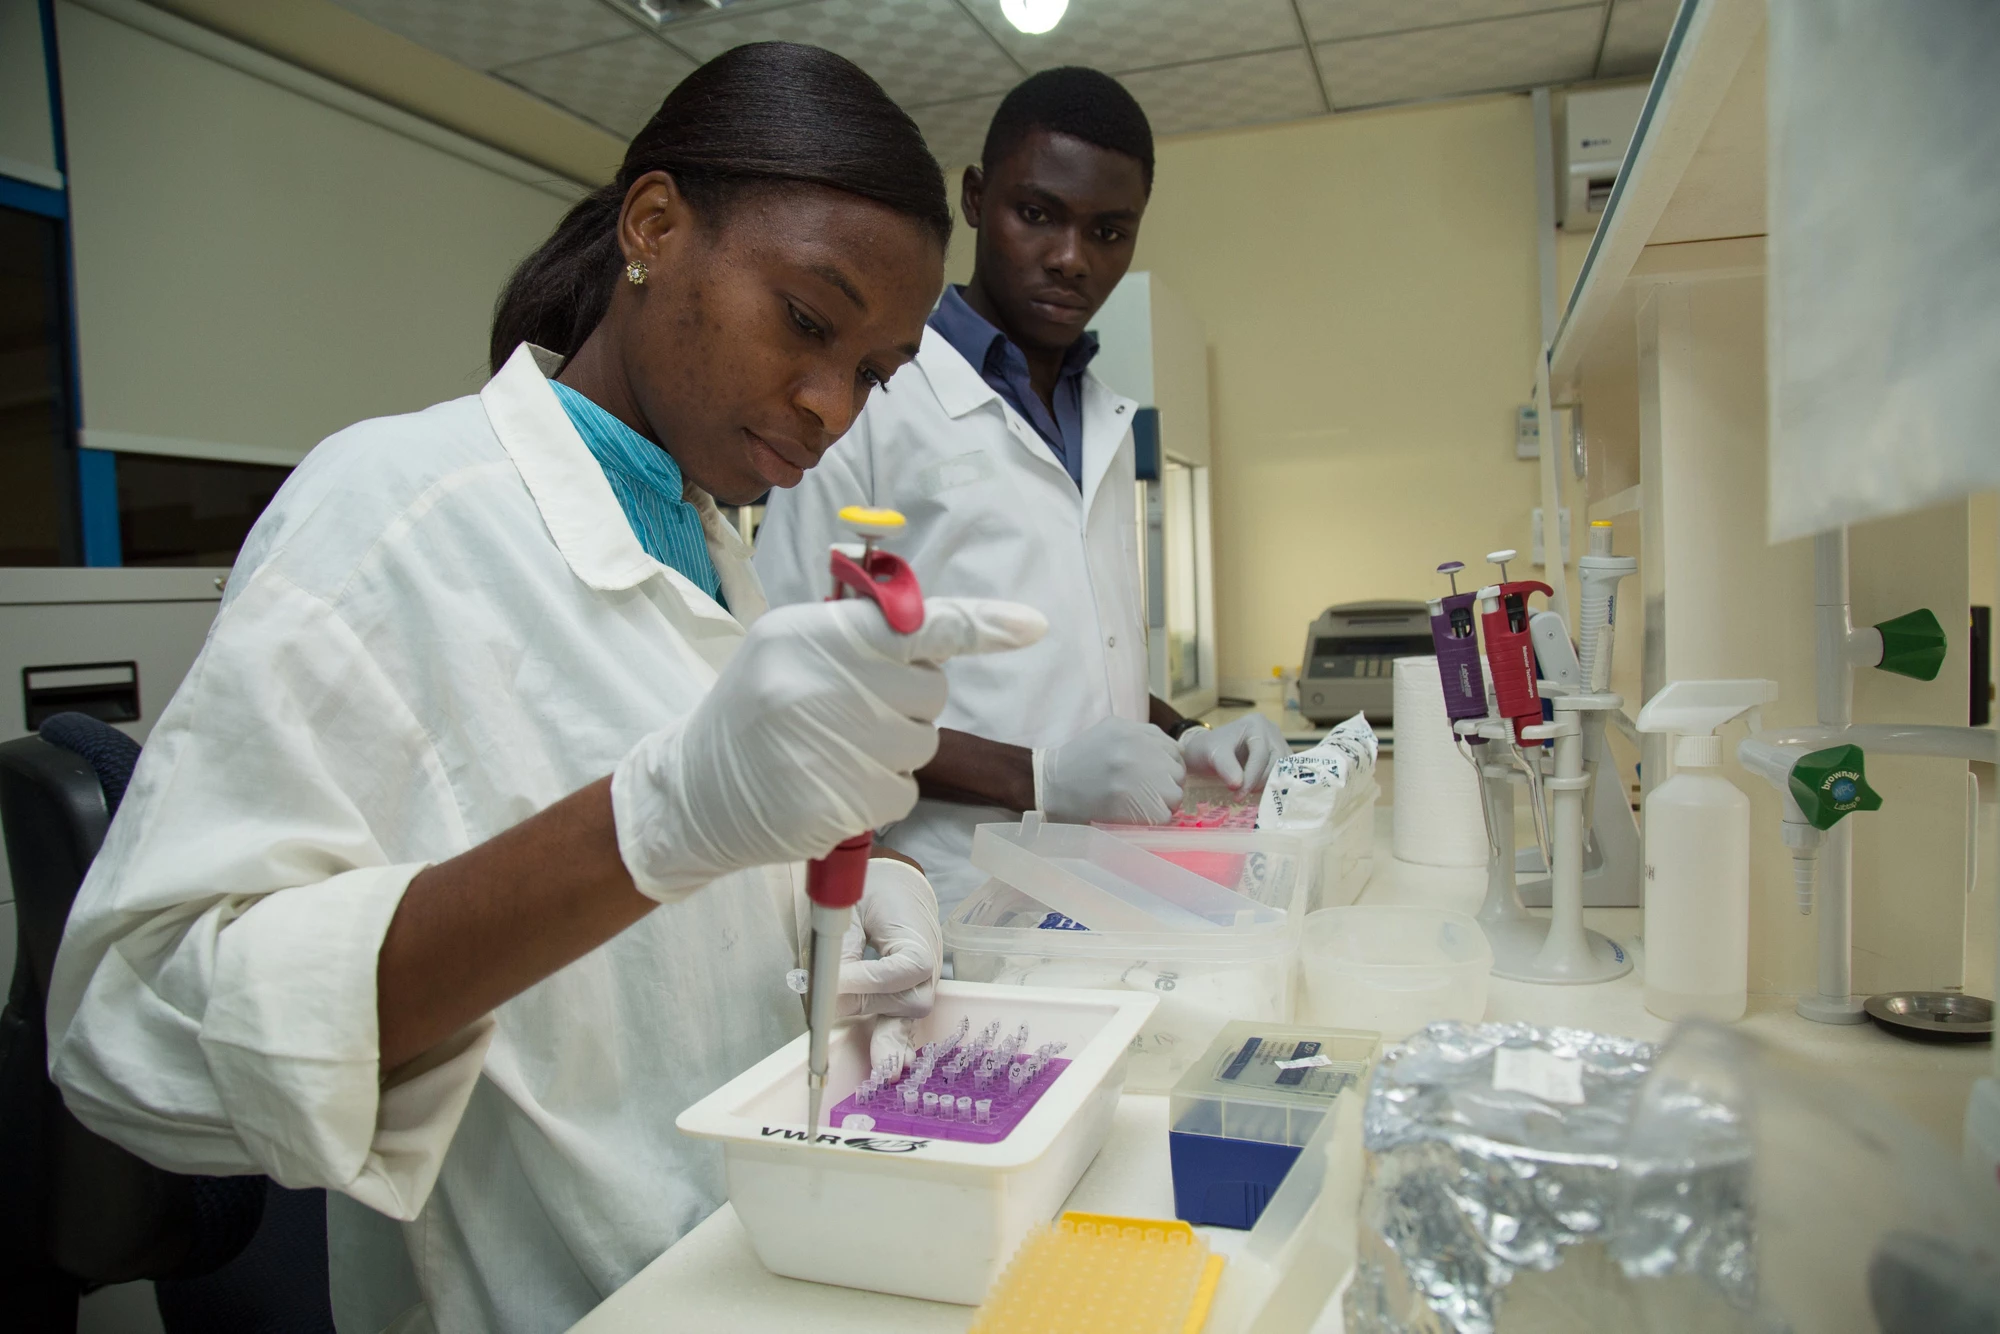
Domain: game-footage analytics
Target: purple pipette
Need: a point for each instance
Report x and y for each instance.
(1456, 638)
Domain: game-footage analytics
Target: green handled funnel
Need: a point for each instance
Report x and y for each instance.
(1831, 783)
(1913, 645)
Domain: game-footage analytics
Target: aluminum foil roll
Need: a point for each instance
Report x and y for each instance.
(1495, 1149)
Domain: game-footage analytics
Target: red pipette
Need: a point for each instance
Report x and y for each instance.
(834, 882)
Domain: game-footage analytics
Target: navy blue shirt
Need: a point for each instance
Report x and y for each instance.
(1005, 368)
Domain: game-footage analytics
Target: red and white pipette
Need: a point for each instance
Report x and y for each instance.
(834, 882)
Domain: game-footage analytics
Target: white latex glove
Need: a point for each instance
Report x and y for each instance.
(898, 915)
(1117, 771)
(1241, 753)
(810, 737)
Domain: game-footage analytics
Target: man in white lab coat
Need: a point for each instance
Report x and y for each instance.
(1014, 467)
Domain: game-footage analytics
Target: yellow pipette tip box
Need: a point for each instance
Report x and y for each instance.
(1101, 1274)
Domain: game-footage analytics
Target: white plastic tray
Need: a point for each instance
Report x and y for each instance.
(936, 1218)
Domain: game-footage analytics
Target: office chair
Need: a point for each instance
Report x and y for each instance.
(229, 1255)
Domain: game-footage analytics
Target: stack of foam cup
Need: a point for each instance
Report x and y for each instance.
(1435, 810)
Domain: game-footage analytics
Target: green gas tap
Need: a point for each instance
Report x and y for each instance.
(1913, 645)
(1832, 783)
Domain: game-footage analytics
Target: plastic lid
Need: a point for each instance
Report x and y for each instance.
(1252, 1061)
(1698, 752)
(1109, 884)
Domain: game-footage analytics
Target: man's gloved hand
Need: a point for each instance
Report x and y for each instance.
(1242, 754)
(810, 736)
(1116, 770)
(898, 915)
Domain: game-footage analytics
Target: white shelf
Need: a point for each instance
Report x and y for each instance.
(1686, 159)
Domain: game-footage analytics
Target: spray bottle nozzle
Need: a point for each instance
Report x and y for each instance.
(1693, 710)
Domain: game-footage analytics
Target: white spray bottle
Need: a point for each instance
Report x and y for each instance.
(1697, 855)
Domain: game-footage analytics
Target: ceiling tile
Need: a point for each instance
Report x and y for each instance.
(1330, 19)
(921, 51)
(617, 84)
(956, 131)
(495, 32)
(1558, 47)
(1217, 94)
(1138, 34)
(1638, 32)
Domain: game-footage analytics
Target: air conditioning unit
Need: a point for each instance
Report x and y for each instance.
(1597, 130)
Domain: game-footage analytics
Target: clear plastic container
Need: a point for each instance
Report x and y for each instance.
(1328, 866)
(1393, 969)
(1112, 885)
(1240, 1115)
(1208, 954)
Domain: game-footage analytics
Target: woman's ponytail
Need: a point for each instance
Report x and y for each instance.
(769, 113)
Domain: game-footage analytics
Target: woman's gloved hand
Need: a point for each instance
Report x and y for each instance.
(810, 736)
(898, 915)
(1116, 770)
(1242, 754)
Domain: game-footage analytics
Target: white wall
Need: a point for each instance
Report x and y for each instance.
(258, 266)
(27, 137)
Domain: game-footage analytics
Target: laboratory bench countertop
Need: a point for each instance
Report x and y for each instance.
(712, 1280)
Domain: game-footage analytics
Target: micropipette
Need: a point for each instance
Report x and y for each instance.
(1457, 645)
(1510, 656)
(834, 882)
(1456, 639)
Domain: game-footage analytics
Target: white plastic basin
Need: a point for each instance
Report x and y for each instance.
(930, 1218)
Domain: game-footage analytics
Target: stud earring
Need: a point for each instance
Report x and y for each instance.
(635, 273)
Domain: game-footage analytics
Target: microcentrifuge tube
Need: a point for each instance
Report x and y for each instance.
(1017, 1075)
(958, 1034)
(909, 1099)
(1021, 1036)
(965, 1109)
(983, 1110)
(930, 1104)
(947, 1109)
(989, 1034)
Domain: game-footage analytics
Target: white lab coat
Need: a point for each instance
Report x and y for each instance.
(442, 625)
(991, 513)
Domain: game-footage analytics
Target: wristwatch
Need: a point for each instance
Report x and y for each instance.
(1175, 730)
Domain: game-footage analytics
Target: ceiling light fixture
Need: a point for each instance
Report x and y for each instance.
(1034, 16)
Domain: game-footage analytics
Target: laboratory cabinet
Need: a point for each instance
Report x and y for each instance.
(113, 643)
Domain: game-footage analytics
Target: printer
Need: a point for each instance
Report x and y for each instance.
(1350, 658)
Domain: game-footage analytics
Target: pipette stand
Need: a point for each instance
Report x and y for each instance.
(1611, 860)
(1526, 948)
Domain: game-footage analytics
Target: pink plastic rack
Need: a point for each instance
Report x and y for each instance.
(974, 1090)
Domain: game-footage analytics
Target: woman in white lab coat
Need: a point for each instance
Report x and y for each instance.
(373, 916)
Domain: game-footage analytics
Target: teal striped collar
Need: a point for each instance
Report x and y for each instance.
(649, 488)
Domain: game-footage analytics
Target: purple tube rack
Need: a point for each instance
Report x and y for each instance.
(1008, 1107)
